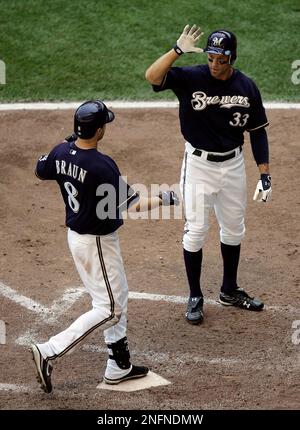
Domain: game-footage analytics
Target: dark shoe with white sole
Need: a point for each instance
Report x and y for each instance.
(242, 300)
(135, 372)
(43, 369)
(194, 312)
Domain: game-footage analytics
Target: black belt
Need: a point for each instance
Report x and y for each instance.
(217, 158)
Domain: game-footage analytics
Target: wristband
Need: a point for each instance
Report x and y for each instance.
(177, 50)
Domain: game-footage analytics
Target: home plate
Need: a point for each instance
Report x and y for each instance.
(151, 380)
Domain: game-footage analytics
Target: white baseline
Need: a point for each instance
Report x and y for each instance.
(119, 104)
(71, 295)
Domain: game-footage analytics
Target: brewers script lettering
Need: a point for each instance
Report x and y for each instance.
(200, 101)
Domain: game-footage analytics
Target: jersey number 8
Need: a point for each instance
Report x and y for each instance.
(72, 193)
(239, 120)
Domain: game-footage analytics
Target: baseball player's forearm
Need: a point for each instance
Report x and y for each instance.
(260, 147)
(158, 70)
(165, 198)
(146, 204)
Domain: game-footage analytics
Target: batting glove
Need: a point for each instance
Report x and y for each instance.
(169, 198)
(263, 190)
(71, 138)
(188, 39)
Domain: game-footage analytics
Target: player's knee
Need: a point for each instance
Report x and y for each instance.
(117, 311)
(118, 314)
(232, 238)
(108, 312)
(193, 240)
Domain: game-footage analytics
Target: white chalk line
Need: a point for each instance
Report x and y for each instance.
(31, 336)
(49, 314)
(180, 299)
(119, 104)
(178, 359)
(35, 389)
(160, 357)
(71, 295)
(19, 388)
(28, 338)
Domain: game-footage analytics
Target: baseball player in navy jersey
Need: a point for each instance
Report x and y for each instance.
(217, 104)
(90, 182)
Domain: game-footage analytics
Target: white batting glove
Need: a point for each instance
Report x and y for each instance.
(263, 189)
(188, 39)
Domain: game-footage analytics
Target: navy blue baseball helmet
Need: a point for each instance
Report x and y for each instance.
(90, 116)
(222, 42)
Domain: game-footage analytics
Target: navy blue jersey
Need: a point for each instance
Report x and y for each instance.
(91, 185)
(213, 113)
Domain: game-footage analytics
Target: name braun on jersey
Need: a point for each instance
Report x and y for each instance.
(200, 101)
(70, 169)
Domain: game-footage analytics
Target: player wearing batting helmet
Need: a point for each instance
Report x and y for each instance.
(217, 104)
(95, 195)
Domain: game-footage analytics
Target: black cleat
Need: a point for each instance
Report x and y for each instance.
(242, 300)
(43, 368)
(194, 312)
(135, 372)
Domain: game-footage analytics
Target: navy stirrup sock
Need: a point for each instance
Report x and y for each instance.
(193, 262)
(231, 256)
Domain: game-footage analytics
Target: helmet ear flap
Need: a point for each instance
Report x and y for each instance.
(232, 59)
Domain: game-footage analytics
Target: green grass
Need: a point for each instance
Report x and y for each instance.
(74, 50)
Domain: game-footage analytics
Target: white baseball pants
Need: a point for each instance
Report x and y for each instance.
(99, 263)
(219, 185)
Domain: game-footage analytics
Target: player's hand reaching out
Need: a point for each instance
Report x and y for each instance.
(188, 40)
(169, 198)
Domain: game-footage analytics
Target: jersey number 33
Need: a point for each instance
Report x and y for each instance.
(239, 120)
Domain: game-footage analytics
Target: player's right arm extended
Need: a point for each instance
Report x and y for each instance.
(186, 43)
(165, 198)
(158, 70)
(145, 204)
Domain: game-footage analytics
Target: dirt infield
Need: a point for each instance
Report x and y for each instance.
(235, 360)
